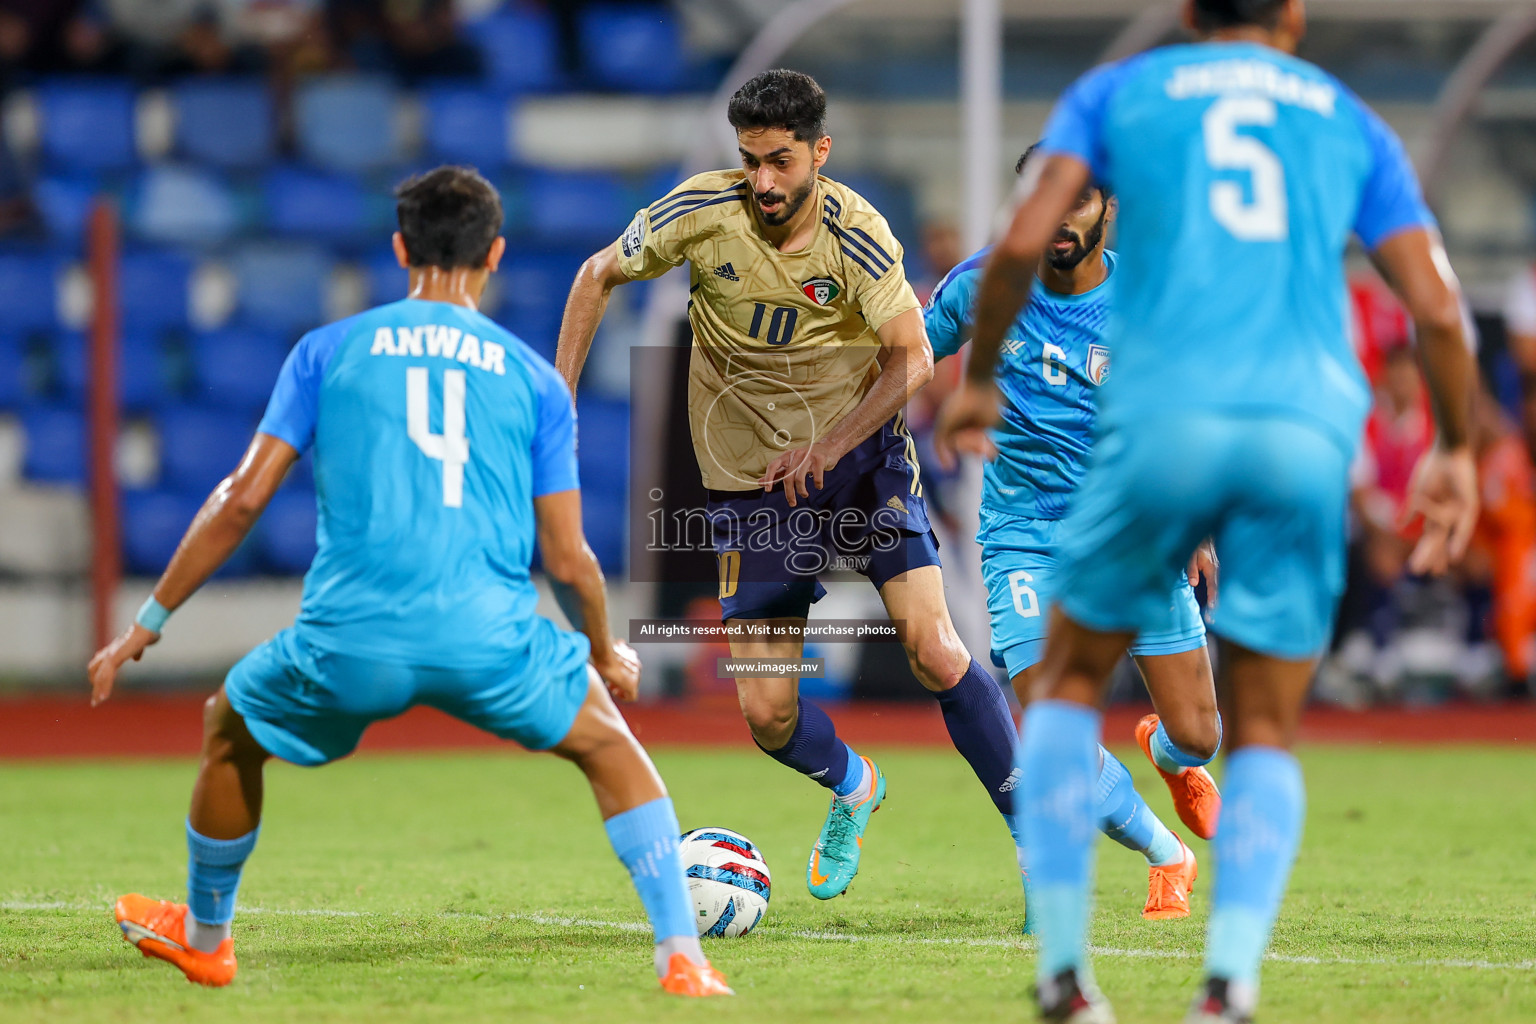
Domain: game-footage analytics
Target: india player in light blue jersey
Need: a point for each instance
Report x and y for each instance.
(1053, 361)
(1233, 413)
(444, 449)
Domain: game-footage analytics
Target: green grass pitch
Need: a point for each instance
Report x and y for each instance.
(481, 887)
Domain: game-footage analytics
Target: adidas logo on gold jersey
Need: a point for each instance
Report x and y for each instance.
(896, 504)
(726, 271)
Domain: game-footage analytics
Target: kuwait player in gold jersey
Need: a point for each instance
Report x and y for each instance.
(807, 343)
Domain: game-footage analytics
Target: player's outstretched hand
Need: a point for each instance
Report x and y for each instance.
(130, 643)
(620, 669)
(1205, 563)
(792, 467)
(1444, 493)
(964, 419)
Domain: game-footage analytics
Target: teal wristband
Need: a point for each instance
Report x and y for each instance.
(152, 615)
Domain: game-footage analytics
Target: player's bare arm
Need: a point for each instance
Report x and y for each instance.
(584, 310)
(217, 530)
(577, 581)
(1005, 285)
(906, 364)
(1444, 487)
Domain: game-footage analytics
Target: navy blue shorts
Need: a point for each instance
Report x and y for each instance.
(869, 516)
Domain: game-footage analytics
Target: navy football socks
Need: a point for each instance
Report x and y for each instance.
(813, 749)
(981, 727)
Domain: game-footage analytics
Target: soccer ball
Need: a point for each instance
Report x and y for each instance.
(728, 880)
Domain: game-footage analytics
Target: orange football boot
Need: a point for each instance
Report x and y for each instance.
(159, 929)
(686, 978)
(1169, 886)
(1194, 792)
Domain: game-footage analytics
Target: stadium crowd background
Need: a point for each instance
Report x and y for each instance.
(249, 147)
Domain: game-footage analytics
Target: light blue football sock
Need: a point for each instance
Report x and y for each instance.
(1167, 755)
(1059, 761)
(1018, 846)
(1125, 817)
(646, 839)
(854, 779)
(213, 880)
(1263, 804)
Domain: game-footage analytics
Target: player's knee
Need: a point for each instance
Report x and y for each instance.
(225, 736)
(772, 722)
(936, 655)
(1196, 734)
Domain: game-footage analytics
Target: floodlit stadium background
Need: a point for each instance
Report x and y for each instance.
(247, 151)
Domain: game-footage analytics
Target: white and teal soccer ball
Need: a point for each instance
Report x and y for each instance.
(728, 879)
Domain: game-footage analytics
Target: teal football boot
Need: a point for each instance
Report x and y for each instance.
(835, 859)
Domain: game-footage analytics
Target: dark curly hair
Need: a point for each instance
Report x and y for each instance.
(1214, 14)
(789, 100)
(1018, 168)
(449, 217)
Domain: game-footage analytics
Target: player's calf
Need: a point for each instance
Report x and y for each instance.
(642, 828)
(1195, 795)
(975, 711)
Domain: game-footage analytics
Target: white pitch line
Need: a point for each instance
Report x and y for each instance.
(548, 920)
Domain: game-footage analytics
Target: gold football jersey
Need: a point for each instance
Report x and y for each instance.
(784, 343)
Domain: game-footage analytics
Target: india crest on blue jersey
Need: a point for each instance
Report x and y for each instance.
(1098, 363)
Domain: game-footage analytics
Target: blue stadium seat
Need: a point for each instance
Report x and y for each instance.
(567, 204)
(64, 203)
(387, 279)
(28, 298)
(602, 442)
(13, 371)
(282, 286)
(532, 287)
(87, 124)
(200, 445)
(55, 444)
(521, 51)
(347, 123)
(603, 521)
(153, 288)
(286, 536)
(143, 372)
(632, 47)
(182, 205)
(467, 126)
(308, 204)
(224, 122)
(235, 369)
(153, 524)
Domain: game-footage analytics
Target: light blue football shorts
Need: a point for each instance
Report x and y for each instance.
(1020, 562)
(311, 706)
(1271, 491)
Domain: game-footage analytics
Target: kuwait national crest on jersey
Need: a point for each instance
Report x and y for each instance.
(821, 290)
(1098, 363)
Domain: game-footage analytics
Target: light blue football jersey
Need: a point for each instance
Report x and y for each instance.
(1241, 173)
(1052, 363)
(433, 430)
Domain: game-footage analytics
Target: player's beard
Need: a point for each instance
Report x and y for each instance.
(787, 212)
(1069, 260)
